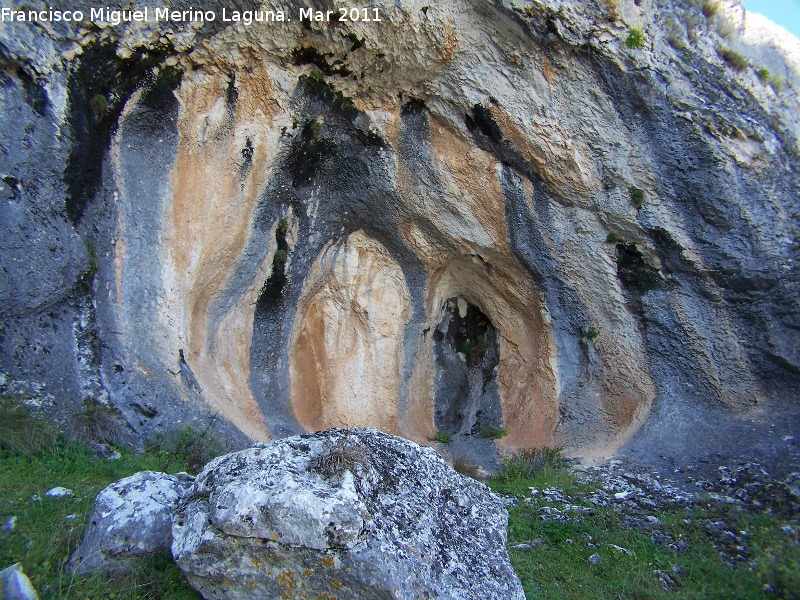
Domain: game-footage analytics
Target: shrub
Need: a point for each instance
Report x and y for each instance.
(777, 84)
(636, 39)
(280, 257)
(441, 437)
(474, 347)
(592, 334)
(92, 251)
(734, 59)
(526, 463)
(763, 74)
(612, 238)
(637, 196)
(20, 431)
(494, 433)
(187, 445)
(281, 229)
(99, 104)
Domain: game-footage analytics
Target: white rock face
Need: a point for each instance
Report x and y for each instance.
(279, 520)
(131, 518)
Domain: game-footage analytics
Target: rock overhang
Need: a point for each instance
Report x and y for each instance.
(474, 167)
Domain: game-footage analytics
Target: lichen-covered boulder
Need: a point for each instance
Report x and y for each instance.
(348, 513)
(131, 518)
(15, 585)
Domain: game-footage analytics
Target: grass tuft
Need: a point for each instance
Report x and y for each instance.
(345, 454)
(20, 431)
(532, 468)
(441, 437)
(187, 446)
(711, 8)
(97, 422)
(467, 468)
(735, 60)
(494, 433)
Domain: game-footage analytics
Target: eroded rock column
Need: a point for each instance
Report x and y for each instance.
(346, 351)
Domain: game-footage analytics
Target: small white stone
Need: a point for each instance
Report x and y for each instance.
(60, 492)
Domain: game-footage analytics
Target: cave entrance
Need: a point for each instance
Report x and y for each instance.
(466, 400)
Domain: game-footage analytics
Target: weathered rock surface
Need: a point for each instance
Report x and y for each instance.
(131, 518)
(342, 513)
(472, 214)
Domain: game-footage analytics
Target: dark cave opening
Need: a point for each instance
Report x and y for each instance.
(273, 286)
(466, 400)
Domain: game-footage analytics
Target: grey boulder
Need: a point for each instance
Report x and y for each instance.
(15, 585)
(342, 513)
(131, 518)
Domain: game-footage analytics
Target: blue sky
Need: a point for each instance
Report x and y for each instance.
(785, 13)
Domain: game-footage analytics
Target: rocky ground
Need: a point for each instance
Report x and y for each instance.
(676, 509)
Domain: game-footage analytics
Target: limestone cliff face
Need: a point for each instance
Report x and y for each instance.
(470, 215)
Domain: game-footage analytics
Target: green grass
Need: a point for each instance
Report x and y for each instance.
(47, 530)
(92, 252)
(494, 433)
(441, 437)
(557, 567)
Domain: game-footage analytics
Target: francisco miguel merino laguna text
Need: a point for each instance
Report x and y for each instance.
(246, 17)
